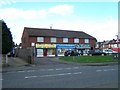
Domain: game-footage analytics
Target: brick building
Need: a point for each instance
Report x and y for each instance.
(54, 42)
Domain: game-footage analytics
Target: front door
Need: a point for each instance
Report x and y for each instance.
(45, 52)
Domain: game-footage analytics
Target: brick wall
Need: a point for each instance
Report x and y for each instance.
(25, 40)
(59, 40)
(25, 53)
(47, 40)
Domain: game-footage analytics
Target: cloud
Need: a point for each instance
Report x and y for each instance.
(62, 9)
(14, 13)
(104, 30)
(17, 19)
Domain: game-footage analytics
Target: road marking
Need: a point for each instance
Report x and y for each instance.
(30, 70)
(50, 69)
(98, 70)
(105, 70)
(30, 77)
(59, 69)
(108, 69)
(77, 73)
(21, 71)
(61, 74)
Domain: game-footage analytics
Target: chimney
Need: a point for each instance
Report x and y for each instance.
(51, 26)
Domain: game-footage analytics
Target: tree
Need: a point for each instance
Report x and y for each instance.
(7, 42)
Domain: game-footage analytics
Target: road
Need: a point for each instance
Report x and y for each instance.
(60, 75)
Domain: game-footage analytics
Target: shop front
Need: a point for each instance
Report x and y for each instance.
(45, 50)
(83, 48)
(61, 48)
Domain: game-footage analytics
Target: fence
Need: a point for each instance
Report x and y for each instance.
(26, 54)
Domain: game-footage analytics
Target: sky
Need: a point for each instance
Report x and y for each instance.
(99, 19)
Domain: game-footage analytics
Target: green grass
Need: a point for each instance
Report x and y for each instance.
(89, 59)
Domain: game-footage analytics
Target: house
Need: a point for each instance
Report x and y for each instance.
(109, 44)
(54, 42)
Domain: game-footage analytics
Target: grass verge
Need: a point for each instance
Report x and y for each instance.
(88, 59)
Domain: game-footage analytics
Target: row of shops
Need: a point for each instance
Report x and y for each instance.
(42, 50)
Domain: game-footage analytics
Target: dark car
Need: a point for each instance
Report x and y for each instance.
(96, 52)
(71, 53)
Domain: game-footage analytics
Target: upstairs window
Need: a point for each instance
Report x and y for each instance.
(40, 39)
(53, 40)
(76, 40)
(65, 40)
(86, 40)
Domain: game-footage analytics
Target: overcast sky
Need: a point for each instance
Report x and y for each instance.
(99, 19)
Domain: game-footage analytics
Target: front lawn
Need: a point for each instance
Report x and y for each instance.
(88, 59)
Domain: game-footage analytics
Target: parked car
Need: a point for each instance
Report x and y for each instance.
(96, 52)
(108, 51)
(71, 53)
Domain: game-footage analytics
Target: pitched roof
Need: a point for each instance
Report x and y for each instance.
(57, 33)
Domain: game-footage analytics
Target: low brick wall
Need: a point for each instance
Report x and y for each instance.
(26, 54)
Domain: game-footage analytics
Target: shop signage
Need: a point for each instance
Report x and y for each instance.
(65, 46)
(45, 45)
(82, 45)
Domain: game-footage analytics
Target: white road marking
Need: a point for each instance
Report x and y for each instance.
(50, 69)
(77, 73)
(105, 70)
(98, 70)
(30, 70)
(108, 69)
(21, 71)
(30, 77)
(61, 74)
(65, 74)
(59, 69)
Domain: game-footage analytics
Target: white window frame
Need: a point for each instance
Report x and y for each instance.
(76, 40)
(65, 40)
(53, 39)
(40, 39)
(86, 40)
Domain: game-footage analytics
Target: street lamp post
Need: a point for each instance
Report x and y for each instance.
(118, 46)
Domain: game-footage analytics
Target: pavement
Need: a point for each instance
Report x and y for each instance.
(15, 63)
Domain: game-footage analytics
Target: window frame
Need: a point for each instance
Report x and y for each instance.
(76, 40)
(52, 39)
(40, 39)
(65, 40)
(86, 40)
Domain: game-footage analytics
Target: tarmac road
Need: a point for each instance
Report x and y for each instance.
(52, 74)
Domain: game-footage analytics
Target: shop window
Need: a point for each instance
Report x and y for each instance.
(40, 39)
(51, 52)
(53, 40)
(65, 40)
(86, 40)
(76, 40)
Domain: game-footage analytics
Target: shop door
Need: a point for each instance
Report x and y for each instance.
(45, 52)
(39, 52)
